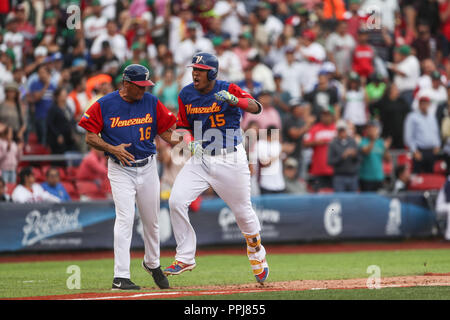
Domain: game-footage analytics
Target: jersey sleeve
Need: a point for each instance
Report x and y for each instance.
(238, 92)
(165, 118)
(92, 120)
(182, 121)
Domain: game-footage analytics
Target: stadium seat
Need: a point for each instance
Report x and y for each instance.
(40, 177)
(426, 181)
(325, 190)
(404, 159)
(10, 188)
(35, 149)
(61, 170)
(89, 189)
(387, 167)
(62, 173)
(71, 190)
(71, 173)
(44, 169)
(440, 167)
(32, 138)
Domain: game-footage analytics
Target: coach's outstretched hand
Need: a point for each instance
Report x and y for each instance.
(196, 148)
(224, 95)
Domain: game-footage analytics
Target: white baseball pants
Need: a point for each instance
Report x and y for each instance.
(229, 176)
(131, 186)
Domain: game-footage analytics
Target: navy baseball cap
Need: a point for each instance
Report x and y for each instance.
(137, 74)
(206, 61)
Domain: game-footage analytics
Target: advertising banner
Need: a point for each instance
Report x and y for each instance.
(283, 218)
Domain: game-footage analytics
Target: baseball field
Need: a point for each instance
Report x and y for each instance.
(388, 270)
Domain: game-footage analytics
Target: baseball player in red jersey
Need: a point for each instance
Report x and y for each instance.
(214, 109)
(128, 121)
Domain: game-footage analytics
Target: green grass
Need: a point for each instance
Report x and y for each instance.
(49, 278)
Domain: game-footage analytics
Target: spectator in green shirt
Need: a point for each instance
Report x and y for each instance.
(167, 90)
(375, 88)
(374, 150)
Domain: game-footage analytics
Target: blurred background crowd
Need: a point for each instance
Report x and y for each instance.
(355, 92)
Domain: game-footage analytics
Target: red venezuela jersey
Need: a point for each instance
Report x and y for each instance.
(120, 122)
(215, 122)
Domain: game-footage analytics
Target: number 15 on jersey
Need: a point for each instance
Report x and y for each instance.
(217, 120)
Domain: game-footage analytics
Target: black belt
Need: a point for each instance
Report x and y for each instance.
(224, 151)
(134, 164)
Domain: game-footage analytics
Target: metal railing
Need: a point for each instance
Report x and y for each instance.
(70, 158)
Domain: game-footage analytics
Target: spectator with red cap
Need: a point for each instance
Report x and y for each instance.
(422, 137)
(318, 138)
(363, 56)
(312, 54)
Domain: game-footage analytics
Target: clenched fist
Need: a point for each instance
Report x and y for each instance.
(224, 95)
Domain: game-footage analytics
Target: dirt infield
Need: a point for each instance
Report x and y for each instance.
(298, 285)
(272, 249)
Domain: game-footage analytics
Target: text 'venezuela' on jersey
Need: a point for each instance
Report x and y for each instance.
(120, 122)
(212, 114)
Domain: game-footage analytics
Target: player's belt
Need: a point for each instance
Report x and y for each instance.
(224, 151)
(134, 164)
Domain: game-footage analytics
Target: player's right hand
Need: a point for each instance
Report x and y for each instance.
(196, 148)
(122, 154)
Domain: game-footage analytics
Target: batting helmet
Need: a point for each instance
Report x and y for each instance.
(206, 61)
(138, 75)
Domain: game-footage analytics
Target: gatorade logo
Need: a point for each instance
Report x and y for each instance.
(333, 219)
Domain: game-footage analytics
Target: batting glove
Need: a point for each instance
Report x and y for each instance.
(227, 97)
(196, 148)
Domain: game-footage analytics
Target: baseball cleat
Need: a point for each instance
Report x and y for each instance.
(158, 276)
(178, 267)
(124, 284)
(260, 278)
(260, 270)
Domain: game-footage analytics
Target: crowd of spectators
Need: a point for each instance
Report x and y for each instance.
(342, 82)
